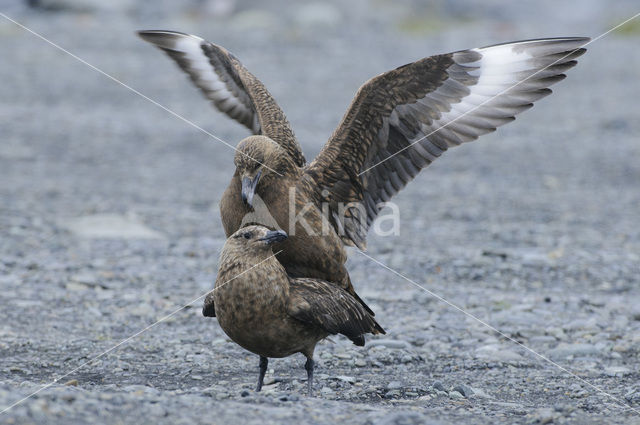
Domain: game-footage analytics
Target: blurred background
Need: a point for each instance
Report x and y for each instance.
(85, 141)
(109, 205)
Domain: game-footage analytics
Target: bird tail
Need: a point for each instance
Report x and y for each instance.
(351, 290)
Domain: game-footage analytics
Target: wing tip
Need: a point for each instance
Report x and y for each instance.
(164, 38)
(551, 40)
(358, 340)
(576, 53)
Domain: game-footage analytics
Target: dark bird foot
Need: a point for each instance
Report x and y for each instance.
(309, 367)
(263, 369)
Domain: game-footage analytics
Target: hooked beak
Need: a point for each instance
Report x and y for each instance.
(273, 236)
(249, 188)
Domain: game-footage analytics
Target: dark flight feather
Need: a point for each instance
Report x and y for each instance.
(333, 309)
(394, 124)
(228, 84)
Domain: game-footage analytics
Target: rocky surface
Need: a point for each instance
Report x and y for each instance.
(109, 223)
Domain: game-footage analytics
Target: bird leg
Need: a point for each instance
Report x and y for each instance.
(263, 369)
(309, 367)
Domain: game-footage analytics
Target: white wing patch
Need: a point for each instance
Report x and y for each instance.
(509, 78)
(208, 80)
(190, 46)
(486, 88)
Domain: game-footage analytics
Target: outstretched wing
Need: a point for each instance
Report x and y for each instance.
(228, 84)
(333, 309)
(402, 120)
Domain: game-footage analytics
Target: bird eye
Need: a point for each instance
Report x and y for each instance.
(247, 235)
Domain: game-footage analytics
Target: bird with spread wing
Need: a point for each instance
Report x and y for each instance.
(398, 123)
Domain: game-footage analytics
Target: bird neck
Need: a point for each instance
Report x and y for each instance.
(239, 261)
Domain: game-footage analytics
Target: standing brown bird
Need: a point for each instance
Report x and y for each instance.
(398, 123)
(271, 314)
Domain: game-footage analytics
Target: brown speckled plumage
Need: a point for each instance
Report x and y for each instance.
(271, 314)
(398, 123)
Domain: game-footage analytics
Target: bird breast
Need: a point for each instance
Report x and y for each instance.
(251, 310)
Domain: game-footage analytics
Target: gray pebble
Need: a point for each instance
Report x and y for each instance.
(455, 395)
(465, 390)
(437, 385)
(393, 385)
(574, 350)
(389, 343)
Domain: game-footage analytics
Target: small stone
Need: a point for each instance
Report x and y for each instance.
(632, 395)
(349, 379)
(573, 350)
(617, 371)
(76, 286)
(71, 383)
(438, 386)
(390, 343)
(542, 339)
(465, 390)
(580, 324)
(327, 391)
(245, 393)
(620, 348)
(392, 393)
(86, 278)
(543, 416)
(210, 392)
(360, 363)
(270, 381)
(394, 385)
(496, 353)
(455, 395)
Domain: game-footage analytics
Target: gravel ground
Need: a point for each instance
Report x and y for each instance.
(109, 221)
